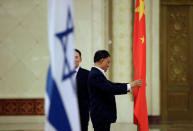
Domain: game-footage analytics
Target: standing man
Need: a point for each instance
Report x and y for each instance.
(101, 92)
(82, 91)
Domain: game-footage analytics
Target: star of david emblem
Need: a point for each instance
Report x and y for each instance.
(63, 38)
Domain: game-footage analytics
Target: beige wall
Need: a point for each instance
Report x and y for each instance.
(23, 48)
(90, 28)
(83, 31)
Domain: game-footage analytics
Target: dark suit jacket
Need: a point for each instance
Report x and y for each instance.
(83, 97)
(102, 99)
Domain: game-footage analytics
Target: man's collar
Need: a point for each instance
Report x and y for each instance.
(100, 69)
(77, 68)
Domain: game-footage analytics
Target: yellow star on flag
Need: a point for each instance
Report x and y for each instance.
(140, 9)
(142, 39)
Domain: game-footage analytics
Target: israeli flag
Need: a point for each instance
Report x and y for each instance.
(61, 106)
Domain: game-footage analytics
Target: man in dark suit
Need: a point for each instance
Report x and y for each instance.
(101, 92)
(82, 90)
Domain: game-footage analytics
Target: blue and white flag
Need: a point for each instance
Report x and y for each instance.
(61, 106)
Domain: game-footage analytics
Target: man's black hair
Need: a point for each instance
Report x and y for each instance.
(101, 54)
(78, 52)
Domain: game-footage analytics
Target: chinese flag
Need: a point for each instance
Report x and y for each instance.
(139, 58)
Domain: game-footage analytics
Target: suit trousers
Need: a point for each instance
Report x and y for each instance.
(84, 125)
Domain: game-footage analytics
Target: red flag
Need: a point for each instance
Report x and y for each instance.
(139, 58)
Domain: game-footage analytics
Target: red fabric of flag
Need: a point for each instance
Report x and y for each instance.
(139, 58)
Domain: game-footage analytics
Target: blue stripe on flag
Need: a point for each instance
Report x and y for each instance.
(56, 114)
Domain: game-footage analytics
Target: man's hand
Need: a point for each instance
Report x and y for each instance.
(136, 83)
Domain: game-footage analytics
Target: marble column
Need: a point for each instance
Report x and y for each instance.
(122, 65)
(91, 32)
(154, 90)
(153, 57)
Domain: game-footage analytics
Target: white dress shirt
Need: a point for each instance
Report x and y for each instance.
(128, 85)
(76, 71)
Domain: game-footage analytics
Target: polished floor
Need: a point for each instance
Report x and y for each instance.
(121, 127)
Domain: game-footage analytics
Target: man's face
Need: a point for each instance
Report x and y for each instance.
(77, 59)
(105, 63)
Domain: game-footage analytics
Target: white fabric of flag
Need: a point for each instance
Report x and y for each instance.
(61, 106)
